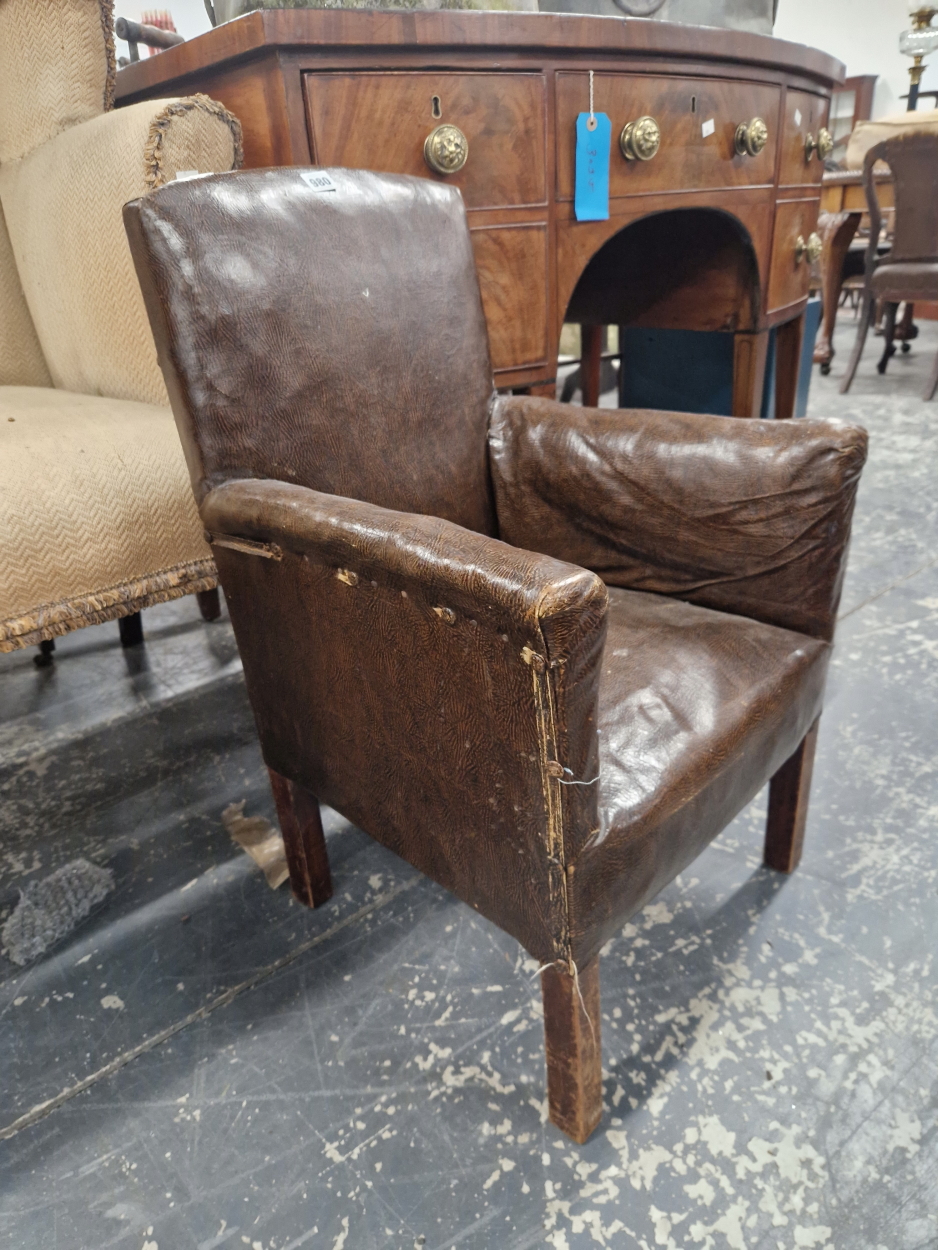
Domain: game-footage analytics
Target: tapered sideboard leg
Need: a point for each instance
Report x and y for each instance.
(574, 1059)
(788, 806)
(591, 364)
(303, 839)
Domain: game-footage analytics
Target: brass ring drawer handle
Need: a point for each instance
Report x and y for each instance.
(812, 249)
(446, 149)
(751, 137)
(823, 144)
(640, 140)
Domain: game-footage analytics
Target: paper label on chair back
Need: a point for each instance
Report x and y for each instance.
(318, 180)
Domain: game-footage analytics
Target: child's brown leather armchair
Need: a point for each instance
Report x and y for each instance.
(542, 653)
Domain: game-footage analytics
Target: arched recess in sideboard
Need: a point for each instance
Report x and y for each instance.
(692, 269)
(686, 268)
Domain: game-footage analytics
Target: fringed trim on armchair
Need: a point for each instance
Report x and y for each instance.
(153, 152)
(107, 28)
(52, 620)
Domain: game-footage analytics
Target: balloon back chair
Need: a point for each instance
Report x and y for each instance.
(909, 272)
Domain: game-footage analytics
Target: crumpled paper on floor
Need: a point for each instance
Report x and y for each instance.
(260, 839)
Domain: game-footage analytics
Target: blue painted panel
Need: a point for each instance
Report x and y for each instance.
(680, 370)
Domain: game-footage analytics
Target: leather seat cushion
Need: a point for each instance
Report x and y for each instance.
(93, 492)
(694, 705)
(906, 280)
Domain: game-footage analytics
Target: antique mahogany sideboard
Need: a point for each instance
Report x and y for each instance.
(714, 230)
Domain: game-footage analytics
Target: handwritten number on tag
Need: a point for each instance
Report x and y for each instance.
(591, 195)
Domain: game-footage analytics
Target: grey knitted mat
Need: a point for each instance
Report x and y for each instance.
(51, 908)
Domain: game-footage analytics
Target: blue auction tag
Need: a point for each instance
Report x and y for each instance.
(591, 197)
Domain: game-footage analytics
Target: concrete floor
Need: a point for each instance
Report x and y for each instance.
(375, 1076)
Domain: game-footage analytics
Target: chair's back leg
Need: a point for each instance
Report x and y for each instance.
(788, 806)
(574, 1057)
(303, 839)
(932, 381)
(862, 326)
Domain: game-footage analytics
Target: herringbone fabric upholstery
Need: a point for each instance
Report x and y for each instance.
(57, 69)
(21, 359)
(94, 496)
(96, 509)
(62, 205)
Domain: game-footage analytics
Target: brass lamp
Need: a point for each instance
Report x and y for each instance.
(918, 43)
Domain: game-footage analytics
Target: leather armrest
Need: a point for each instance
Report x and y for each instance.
(446, 564)
(434, 685)
(746, 516)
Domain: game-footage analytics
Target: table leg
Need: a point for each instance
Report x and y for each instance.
(837, 231)
(787, 366)
(591, 363)
(749, 356)
(906, 330)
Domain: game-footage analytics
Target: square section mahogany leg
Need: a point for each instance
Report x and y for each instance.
(591, 364)
(788, 806)
(574, 1058)
(304, 840)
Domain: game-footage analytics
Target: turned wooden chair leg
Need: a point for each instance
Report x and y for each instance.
(209, 604)
(130, 629)
(44, 658)
(303, 839)
(788, 806)
(574, 1059)
(889, 333)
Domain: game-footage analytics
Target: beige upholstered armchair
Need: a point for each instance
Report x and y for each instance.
(96, 511)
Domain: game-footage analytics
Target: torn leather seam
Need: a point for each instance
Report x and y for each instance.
(545, 711)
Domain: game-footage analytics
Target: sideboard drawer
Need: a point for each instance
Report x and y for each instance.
(380, 121)
(697, 119)
(805, 114)
(511, 259)
(789, 275)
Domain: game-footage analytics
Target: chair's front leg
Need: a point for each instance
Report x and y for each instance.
(303, 840)
(574, 1059)
(788, 806)
(209, 604)
(889, 333)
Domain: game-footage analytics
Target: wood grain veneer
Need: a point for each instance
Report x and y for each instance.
(357, 88)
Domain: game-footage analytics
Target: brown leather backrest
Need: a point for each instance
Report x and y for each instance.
(332, 338)
(913, 159)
